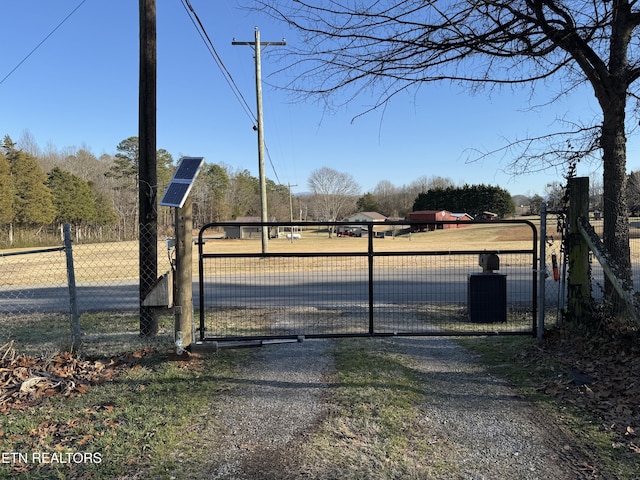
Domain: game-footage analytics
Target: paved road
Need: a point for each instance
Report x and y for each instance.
(319, 288)
(390, 287)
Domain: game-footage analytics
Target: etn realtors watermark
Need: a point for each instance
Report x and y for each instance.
(50, 457)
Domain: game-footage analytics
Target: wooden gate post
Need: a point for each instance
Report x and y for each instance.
(183, 308)
(579, 278)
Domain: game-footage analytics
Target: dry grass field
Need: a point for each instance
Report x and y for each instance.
(499, 237)
(119, 260)
(474, 237)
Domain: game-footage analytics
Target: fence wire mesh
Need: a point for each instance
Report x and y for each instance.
(634, 248)
(33, 281)
(315, 287)
(106, 279)
(556, 287)
(316, 295)
(35, 294)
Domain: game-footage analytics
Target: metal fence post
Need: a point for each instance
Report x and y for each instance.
(76, 333)
(542, 275)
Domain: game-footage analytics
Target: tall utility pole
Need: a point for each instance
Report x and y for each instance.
(257, 44)
(147, 172)
(291, 202)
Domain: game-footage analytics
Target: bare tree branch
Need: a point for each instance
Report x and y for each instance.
(386, 47)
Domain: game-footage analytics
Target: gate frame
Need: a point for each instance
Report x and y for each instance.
(370, 254)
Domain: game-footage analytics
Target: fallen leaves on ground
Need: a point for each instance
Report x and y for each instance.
(601, 376)
(27, 380)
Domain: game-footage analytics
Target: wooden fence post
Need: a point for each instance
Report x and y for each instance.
(579, 299)
(183, 308)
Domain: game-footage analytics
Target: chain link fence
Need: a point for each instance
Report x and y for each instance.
(555, 269)
(597, 223)
(35, 293)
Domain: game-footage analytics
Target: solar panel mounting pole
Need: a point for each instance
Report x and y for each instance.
(183, 277)
(177, 196)
(257, 44)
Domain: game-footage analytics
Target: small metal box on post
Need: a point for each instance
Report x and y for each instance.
(487, 294)
(177, 196)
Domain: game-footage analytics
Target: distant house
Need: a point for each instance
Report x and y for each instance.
(462, 217)
(367, 217)
(241, 230)
(361, 217)
(429, 220)
(488, 216)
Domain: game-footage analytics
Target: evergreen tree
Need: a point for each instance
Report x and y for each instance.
(104, 213)
(7, 191)
(219, 183)
(471, 199)
(33, 201)
(72, 197)
(368, 203)
(164, 170)
(245, 194)
(125, 163)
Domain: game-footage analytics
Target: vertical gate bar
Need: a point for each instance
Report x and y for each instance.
(370, 258)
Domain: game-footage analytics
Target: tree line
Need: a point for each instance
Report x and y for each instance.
(472, 199)
(41, 190)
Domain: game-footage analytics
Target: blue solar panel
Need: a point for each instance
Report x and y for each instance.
(188, 168)
(181, 183)
(175, 194)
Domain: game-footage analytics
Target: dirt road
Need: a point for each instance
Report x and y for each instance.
(477, 426)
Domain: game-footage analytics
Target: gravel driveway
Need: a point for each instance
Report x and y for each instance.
(482, 426)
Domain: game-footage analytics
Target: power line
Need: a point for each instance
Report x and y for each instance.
(271, 163)
(43, 40)
(193, 16)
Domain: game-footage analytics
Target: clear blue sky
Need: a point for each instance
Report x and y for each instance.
(80, 89)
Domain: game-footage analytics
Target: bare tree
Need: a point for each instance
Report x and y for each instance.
(554, 193)
(387, 195)
(595, 193)
(389, 46)
(334, 193)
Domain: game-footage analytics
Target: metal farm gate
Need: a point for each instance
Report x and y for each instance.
(342, 279)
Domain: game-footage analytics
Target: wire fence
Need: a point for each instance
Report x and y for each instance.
(324, 296)
(106, 278)
(35, 295)
(555, 254)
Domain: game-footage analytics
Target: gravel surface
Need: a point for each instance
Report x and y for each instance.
(492, 432)
(280, 396)
(484, 428)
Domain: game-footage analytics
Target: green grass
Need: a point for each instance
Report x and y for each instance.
(374, 429)
(135, 422)
(105, 333)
